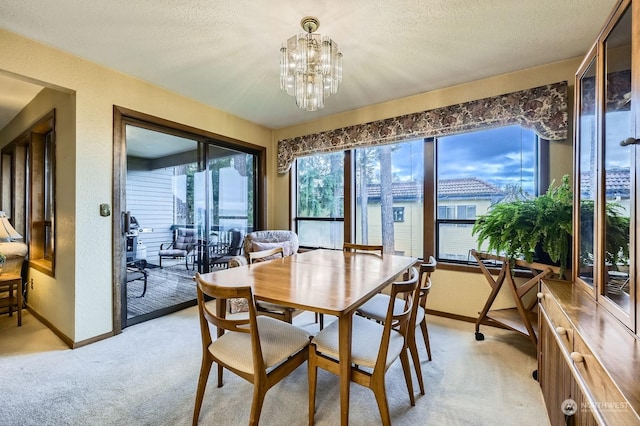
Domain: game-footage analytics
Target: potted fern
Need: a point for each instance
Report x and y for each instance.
(529, 228)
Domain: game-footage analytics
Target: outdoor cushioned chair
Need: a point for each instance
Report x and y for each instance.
(227, 245)
(183, 244)
(260, 349)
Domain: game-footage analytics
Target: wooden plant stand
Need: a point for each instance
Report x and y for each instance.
(521, 318)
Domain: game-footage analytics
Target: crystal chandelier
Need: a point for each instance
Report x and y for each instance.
(310, 66)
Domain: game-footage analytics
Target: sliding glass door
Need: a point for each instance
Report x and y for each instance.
(188, 203)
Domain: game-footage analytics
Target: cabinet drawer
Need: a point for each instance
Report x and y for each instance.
(558, 320)
(605, 399)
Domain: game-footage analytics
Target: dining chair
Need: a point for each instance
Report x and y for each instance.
(362, 247)
(267, 254)
(375, 309)
(258, 241)
(283, 313)
(260, 349)
(352, 248)
(374, 347)
(263, 240)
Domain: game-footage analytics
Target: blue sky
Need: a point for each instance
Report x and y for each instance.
(496, 155)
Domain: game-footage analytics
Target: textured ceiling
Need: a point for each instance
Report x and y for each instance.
(225, 53)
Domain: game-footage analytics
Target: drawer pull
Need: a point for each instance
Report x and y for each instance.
(561, 331)
(577, 357)
(540, 295)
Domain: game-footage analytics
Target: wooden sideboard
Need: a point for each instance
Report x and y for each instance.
(587, 358)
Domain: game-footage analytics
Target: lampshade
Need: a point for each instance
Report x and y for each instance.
(310, 66)
(7, 232)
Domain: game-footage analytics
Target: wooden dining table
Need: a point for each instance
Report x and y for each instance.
(331, 282)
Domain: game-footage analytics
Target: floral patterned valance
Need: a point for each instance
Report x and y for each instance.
(542, 109)
(618, 92)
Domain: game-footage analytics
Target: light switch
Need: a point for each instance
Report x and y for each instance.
(105, 209)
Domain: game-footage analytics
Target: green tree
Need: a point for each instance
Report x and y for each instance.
(386, 198)
(320, 181)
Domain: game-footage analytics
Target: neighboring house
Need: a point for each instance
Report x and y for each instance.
(618, 187)
(458, 199)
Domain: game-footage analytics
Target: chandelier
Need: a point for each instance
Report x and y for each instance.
(310, 66)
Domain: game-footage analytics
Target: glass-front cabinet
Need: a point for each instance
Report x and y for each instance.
(607, 169)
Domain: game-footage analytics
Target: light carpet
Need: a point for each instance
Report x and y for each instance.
(147, 376)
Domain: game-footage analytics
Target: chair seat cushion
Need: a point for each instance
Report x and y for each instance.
(366, 340)
(278, 340)
(172, 252)
(376, 307)
(238, 304)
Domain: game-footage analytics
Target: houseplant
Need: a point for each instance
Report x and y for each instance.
(523, 227)
(617, 234)
(540, 229)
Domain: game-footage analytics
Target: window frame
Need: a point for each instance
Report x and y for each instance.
(296, 219)
(29, 180)
(430, 220)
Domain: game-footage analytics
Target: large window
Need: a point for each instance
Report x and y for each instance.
(470, 172)
(390, 179)
(320, 200)
(474, 171)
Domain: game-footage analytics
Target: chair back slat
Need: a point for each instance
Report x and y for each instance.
(219, 320)
(426, 269)
(266, 254)
(362, 247)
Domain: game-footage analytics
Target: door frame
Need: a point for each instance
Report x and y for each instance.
(123, 116)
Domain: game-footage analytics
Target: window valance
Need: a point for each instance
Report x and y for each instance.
(542, 109)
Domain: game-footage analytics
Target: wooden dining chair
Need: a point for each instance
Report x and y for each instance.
(260, 349)
(265, 254)
(283, 313)
(362, 247)
(374, 347)
(375, 309)
(352, 248)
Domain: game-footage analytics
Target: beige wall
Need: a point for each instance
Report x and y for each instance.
(79, 301)
(54, 299)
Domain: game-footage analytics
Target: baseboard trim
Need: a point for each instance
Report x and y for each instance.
(66, 339)
(94, 339)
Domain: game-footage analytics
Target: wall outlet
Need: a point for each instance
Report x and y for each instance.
(31, 283)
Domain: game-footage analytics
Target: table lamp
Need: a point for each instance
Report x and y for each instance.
(7, 232)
